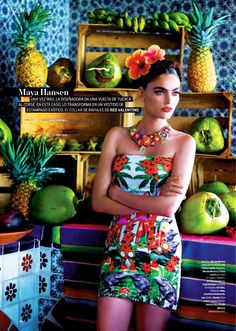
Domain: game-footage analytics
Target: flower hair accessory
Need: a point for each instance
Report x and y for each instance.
(139, 63)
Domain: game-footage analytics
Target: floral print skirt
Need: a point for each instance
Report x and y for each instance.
(142, 260)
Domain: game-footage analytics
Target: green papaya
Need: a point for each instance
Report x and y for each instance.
(104, 71)
(54, 204)
(208, 135)
(5, 132)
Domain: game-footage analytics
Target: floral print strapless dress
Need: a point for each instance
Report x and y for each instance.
(143, 251)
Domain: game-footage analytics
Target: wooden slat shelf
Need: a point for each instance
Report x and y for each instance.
(108, 36)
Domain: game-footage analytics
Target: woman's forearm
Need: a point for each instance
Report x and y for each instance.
(106, 205)
(162, 205)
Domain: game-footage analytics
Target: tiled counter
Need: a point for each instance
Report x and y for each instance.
(31, 283)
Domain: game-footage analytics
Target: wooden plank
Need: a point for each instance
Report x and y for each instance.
(4, 202)
(5, 181)
(133, 40)
(217, 169)
(90, 56)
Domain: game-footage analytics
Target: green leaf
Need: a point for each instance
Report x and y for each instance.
(124, 174)
(123, 182)
(139, 168)
(126, 166)
(153, 185)
(144, 182)
(140, 176)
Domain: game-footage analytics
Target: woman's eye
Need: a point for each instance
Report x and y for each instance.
(175, 93)
(159, 92)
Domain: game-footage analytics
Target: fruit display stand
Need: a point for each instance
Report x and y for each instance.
(82, 244)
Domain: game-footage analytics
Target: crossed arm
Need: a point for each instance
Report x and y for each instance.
(109, 198)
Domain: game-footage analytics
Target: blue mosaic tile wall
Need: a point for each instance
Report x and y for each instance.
(61, 40)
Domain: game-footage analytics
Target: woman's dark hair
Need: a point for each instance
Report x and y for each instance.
(158, 68)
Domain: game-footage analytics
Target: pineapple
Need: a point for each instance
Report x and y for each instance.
(31, 65)
(25, 159)
(201, 74)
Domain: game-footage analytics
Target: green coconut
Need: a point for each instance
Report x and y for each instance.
(104, 71)
(54, 204)
(208, 134)
(203, 213)
(215, 186)
(229, 200)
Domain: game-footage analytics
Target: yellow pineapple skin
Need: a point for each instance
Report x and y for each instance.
(31, 68)
(20, 198)
(201, 74)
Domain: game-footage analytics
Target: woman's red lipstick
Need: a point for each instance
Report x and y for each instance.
(166, 109)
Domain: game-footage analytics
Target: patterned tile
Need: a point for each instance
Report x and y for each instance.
(10, 260)
(10, 293)
(28, 286)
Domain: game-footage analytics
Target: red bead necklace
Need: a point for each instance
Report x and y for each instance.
(149, 140)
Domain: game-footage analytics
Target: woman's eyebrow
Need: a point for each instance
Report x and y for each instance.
(164, 89)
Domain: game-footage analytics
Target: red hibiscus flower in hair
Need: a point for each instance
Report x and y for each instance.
(139, 63)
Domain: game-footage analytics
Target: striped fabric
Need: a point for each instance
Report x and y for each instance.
(208, 279)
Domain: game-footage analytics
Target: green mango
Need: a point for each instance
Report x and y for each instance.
(104, 71)
(61, 74)
(203, 213)
(208, 135)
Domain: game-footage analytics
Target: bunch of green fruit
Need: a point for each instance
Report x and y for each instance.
(102, 16)
(157, 21)
(169, 21)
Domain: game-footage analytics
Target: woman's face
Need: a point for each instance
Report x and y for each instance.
(161, 96)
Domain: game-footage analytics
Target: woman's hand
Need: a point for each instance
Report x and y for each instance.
(113, 191)
(172, 186)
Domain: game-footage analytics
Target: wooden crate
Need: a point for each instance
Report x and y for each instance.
(121, 44)
(202, 101)
(81, 126)
(5, 188)
(207, 170)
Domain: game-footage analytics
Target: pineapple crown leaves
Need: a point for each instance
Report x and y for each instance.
(31, 25)
(204, 27)
(25, 158)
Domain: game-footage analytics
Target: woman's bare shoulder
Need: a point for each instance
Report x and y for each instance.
(184, 137)
(117, 131)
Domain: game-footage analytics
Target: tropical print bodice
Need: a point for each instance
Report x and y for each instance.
(141, 174)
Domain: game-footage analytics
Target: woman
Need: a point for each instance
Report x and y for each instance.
(142, 178)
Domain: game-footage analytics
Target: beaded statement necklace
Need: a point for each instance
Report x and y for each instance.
(149, 140)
